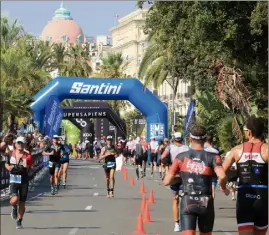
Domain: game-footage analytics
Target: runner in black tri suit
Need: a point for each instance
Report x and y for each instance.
(196, 168)
(251, 159)
(109, 154)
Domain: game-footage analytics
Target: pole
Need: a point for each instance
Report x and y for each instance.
(173, 111)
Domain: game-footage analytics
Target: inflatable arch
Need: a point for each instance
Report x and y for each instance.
(129, 89)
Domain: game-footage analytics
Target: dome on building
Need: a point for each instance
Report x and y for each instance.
(62, 28)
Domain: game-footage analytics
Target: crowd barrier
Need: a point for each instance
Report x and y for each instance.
(38, 165)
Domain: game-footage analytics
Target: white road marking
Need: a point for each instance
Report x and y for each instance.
(93, 178)
(73, 231)
(88, 208)
(90, 173)
(95, 185)
(227, 233)
(38, 195)
(95, 194)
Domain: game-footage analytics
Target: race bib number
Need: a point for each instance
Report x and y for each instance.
(110, 164)
(15, 179)
(50, 164)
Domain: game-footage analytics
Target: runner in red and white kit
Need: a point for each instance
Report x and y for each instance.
(173, 150)
(153, 145)
(251, 159)
(196, 168)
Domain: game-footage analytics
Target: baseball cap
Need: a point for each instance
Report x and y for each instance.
(166, 140)
(55, 137)
(20, 139)
(109, 137)
(177, 135)
(152, 138)
(138, 138)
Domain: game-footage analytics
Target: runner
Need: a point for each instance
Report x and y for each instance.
(153, 155)
(55, 151)
(96, 148)
(251, 159)
(173, 150)
(109, 154)
(130, 146)
(139, 157)
(162, 146)
(209, 148)
(196, 167)
(64, 162)
(17, 164)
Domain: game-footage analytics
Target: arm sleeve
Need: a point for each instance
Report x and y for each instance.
(216, 161)
(176, 166)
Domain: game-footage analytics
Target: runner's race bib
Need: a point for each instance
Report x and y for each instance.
(50, 164)
(15, 179)
(110, 164)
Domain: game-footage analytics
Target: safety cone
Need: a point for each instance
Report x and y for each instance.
(142, 188)
(140, 225)
(132, 183)
(123, 169)
(146, 215)
(151, 197)
(126, 175)
(143, 203)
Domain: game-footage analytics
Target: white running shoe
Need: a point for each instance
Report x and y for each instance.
(177, 227)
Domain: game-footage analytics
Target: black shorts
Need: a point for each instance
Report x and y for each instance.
(55, 167)
(65, 161)
(252, 208)
(139, 160)
(108, 169)
(199, 207)
(20, 190)
(153, 157)
(166, 161)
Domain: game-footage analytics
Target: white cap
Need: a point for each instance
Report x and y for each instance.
(152, 137)
(56, 136)
(20, 139)
(109, 137)
(177, 135)
(138, 138)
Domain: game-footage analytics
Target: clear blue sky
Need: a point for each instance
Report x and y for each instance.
(94, 17)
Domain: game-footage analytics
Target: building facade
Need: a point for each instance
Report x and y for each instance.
(129, 39)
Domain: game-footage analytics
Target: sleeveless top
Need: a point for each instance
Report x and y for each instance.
(252, 169)
(110, 158)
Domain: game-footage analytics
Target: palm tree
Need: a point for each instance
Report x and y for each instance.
(114, 66)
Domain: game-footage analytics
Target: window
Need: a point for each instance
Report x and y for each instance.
(65, 38)
(48, 38)
(79, 39)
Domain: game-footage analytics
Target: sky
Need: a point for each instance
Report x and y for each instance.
(94, 17)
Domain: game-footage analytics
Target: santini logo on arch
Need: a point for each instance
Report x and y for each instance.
(103, 89)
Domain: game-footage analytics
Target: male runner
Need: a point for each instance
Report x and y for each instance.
(173, 150)
(139, 157)
(251, 159)
(153, 155)
(109, 154)
(55, 151)
(64, 162)
(209, 148)
(17, 164)
(196, 168)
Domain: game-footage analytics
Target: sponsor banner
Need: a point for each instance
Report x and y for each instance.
(102, 89)
(57, 122)
(94, 114)
(189, 116)
(157, 131)
(52, 115)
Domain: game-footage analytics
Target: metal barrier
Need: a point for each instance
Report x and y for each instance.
(38, 165)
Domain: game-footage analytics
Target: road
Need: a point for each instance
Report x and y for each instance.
(83, 208)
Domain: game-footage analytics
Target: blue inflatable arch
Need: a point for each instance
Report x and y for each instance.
(129, 89)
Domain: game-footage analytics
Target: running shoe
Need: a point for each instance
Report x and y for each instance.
(14, 213)
(177, 227)
(19, 225)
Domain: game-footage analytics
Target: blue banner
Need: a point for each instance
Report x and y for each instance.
(130, 89)
(190, 113)
(52, 115)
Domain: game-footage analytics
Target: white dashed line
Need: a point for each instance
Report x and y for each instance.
(95, 185)
(95, 194)
(227, 233)
(36, 196)
(93, 178)
(73, 231)
(88, 208)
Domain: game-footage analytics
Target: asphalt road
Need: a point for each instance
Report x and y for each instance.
(83, 208)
